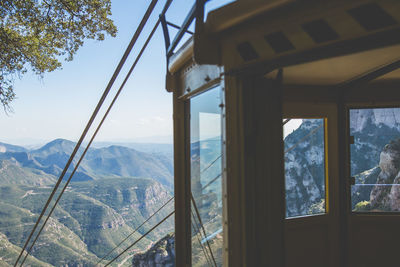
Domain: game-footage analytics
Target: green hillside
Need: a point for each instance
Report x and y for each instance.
(56, 240)
(12, 173)
(91, 219)
(134, 199)
(9, 252)
(108, 198)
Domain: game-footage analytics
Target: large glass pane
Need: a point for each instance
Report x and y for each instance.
(375, 159)
(206, 180)
(304, 154)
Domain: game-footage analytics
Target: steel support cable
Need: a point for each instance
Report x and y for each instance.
(211, 255)
(210, 222)
(204, 187)
(177, 27)
(194, 204)
(100, 124)
(157, 212)
(212, 163)
(204, 250)
(212, 181)
(92, 118)
(143, 236)
(197, 229)
(285, 121)
(134, 231)
(202, 227)
(302, 139)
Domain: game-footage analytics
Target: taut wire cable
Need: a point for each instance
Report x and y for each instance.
(92, 118)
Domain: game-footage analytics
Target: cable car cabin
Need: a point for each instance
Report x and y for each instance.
(287, 135)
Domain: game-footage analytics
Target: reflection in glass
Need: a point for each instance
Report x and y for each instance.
(206, 181)
(304, 154)
(375, 159)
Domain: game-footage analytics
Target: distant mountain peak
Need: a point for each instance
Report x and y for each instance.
(63, 145)
(361, 118)
(59, 141)
(11, 148)
(111, 161)
(117, 147)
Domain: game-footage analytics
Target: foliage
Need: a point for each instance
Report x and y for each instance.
(359, 192)
(363, 206)
(9, 252)
(36, 34)
(317, 208)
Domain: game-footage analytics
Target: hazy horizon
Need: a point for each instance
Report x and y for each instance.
(32, 142)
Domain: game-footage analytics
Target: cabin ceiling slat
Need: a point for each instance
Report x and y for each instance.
(245, 46)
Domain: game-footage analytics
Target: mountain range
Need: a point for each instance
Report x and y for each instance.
(98, 163)
(116, 188)
(114, 191)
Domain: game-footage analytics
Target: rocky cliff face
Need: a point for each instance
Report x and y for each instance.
(372, 130)
(362, 118)
(161, 254)
(373, 149)
(371, 155)
(304, 168)
(385, 195)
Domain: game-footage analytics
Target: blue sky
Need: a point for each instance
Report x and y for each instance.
(60, 104)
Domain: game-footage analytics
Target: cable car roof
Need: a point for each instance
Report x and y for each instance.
(317, 42)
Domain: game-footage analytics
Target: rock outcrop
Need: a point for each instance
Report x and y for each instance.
(373, 130)
(304, 168)
(385, 195)
(161, 254)
(362, 118)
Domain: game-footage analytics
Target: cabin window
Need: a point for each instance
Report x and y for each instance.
(375, 159)
(206, 178)
(305, 166)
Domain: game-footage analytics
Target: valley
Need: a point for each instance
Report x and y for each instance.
(116, 189)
